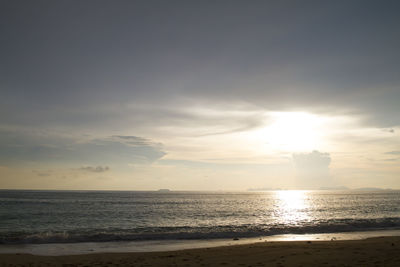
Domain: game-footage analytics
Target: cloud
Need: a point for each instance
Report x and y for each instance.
(393, 153)
(312, 169)
(130, 149)
(390, 160)
(17, 147)
(240, 59)
(42, 173)
(389, 130)
(95, 169)
(133, 140)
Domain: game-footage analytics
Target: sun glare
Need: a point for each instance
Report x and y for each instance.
(291, 206)
(292, 131)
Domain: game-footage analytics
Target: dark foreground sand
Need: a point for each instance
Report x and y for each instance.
(383, 251)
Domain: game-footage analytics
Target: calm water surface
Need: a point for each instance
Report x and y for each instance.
(78, 216)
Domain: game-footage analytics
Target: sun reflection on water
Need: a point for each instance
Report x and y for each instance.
(291, 206)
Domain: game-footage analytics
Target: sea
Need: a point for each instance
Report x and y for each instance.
(147, 219)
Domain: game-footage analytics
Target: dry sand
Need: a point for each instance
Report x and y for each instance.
(383, 251)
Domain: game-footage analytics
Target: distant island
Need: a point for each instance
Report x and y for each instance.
(334, 188)
(373, 189)
(264, 189)
(342, 188)
(164, 190)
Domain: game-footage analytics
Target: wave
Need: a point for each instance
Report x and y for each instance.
(184, 232)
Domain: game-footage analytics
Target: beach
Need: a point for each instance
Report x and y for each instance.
(379, 251)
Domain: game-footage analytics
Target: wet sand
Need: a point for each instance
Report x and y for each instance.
(382, 251)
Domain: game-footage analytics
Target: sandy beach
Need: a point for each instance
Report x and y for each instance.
(382, 251)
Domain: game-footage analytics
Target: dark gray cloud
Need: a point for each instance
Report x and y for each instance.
(17, 147)
(65, 62)
(97, 169)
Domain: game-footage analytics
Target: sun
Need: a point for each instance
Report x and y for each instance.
(292, 131)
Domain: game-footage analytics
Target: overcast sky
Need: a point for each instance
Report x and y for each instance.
(190, 95)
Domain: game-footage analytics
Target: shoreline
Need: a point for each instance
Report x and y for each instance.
(66, 249)
(377, 251)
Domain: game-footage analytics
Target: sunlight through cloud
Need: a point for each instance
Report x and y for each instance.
(292, 131)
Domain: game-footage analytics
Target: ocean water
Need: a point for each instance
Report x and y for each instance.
(42, 217)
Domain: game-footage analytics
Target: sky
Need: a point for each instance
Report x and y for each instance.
(199, 95)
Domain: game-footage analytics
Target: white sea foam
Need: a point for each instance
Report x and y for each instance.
(58, 249)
